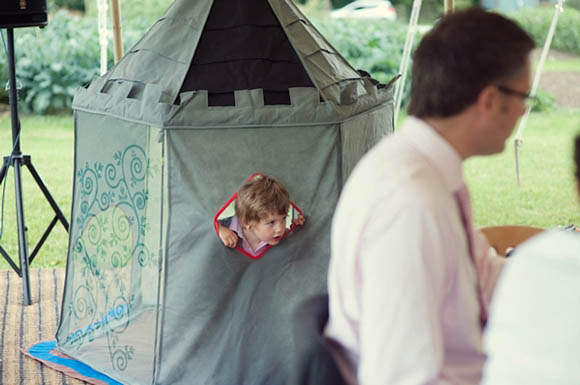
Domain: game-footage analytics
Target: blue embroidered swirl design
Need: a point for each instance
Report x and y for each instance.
(112, 225)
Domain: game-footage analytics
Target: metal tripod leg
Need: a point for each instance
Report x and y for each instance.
(16, 159)
(59, 216)
(22, 271)
(3, 172)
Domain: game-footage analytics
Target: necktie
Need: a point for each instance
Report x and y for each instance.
(464, 203)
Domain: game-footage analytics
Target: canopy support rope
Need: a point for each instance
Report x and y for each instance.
(518, 141)
(406, 55)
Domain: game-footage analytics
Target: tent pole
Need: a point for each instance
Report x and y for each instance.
(518, 141)
(102, 6)
(412, 29)
(117, 34)
(448, 6)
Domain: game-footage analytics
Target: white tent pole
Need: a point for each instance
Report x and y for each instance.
(406, 55)
(102, 7)
(519, 134)
(448, 6)
(117, 30)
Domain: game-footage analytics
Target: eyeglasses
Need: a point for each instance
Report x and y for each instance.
(529, 100)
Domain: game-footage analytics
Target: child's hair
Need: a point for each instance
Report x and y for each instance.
(259, 197)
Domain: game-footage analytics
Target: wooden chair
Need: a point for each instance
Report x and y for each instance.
(504, 237)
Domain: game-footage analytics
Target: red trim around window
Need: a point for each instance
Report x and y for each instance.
(241, 250)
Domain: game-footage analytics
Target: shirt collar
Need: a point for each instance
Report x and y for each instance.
(236, 226)
(439, 152)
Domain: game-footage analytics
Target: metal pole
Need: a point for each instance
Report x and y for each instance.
(17, 163)
(448, 6)
(13, 94)
(117, 34)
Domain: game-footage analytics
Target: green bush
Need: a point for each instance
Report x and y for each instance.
(51, 63)
(544, 102)
(73, 5)
(537, 21)
(135, 10)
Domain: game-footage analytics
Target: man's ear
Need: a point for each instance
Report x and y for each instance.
(487, 100)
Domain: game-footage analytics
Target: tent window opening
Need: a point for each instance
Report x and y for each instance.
(227, 99)
(226, 218)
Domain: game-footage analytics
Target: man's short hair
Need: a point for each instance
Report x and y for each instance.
(577, 156)
(463, 53)
(259, 197)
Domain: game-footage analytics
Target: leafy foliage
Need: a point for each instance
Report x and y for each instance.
(51, 63)
(74, 5)
(537, 21)
(134, 10)
(544, 102)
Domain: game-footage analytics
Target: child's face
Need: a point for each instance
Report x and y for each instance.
(269, 229)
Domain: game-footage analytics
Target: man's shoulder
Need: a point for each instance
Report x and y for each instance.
(396, 167)
(553, 245)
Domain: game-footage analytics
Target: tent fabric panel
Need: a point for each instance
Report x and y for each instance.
(306, 40)
(305, 109)
(353, 103)
(170, 38)
(149, 68)
(160, 57)
(194, 112)
(114, 98)
(327, 69)
(361, 133)
(109, 310)
(228, 316)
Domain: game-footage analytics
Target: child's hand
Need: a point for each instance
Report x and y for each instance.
(228, 237)
(298, 221)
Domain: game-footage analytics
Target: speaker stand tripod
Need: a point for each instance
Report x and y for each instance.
(17, 160)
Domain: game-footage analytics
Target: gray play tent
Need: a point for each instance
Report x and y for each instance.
(215, 91)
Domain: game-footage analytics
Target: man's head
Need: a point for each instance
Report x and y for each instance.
(260, 197)
(464, 53)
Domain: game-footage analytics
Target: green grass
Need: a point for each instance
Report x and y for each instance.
(49, 142)
(546, 197)
(571, 65)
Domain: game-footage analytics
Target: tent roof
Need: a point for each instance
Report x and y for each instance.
(211, 49)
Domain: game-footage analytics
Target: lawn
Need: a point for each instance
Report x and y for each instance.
(546, 197)
(49, 142)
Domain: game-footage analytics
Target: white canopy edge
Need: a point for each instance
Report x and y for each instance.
(102, 7)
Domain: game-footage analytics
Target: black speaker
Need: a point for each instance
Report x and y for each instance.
(22, 13)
